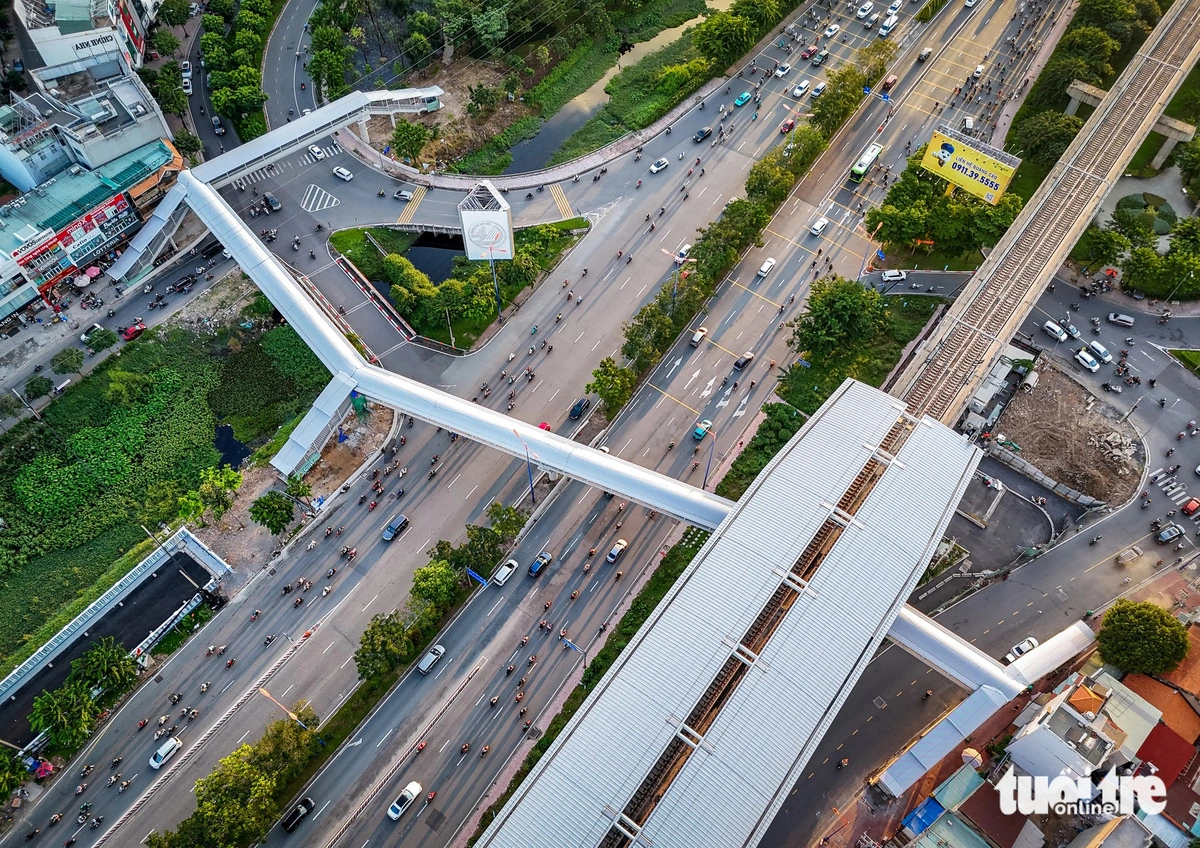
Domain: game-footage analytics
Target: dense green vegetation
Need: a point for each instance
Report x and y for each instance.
(1099, 42)
(469, 296)
(639, 95)
(918, 215)
(120, 449)
(232, 44)
(867, 354)
(1140, 637)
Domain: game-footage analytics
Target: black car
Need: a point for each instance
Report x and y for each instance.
(211, 250)
(218, 127)
(744, 360)
(702, 134)
(581, 406)
(1169, 533)
(272, 201)
(296, 815)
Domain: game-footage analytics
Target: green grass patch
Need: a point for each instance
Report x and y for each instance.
(494, 157)
(673, 564)
(183, 631)
(918, 258)
(925, 13)
(869, 361)
(1185, 105)
(1028, 179)
(355, 246)
(584, 67)
(1139, 165)
(639, 96)
(1189, 358)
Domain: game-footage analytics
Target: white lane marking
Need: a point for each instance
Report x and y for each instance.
(383, 738)
(364, 609)
(455, 480)
(493, 609)
(468, 497)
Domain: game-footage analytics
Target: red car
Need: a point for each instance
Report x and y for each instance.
(133, 331)
(808, 52)
(1190, 507)
(788, 125)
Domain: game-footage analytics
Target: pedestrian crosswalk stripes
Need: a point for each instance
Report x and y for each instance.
(410, 208)
(272, 170)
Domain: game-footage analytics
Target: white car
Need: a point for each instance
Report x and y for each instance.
(864, 10)
(185, 69)
(343, 174)
(978, 72)
(895, 7)
(411, 793)
(1085, 358)
(89, 332)
(894, 276)
(801, 89)
(819, 88)
(659, 165)
(618, 549)
(1021, 648)
(187, 87)
(1100, 351)
(832, 30)
(766, 267)
(782, 70)
(317, 153)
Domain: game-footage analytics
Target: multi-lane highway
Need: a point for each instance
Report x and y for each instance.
(689, 385)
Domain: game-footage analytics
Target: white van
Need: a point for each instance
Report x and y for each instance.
(871, 21)
(888, 25)
(682, 255)
(1054, 331)
(504, 572)
(165, 751)
(1100, 351)
(819, 226)
(967, 125)
(430, 659)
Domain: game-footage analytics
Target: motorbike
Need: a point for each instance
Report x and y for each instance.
(298, 602)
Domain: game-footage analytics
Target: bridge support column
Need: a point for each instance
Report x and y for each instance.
(1168, 145)
(1073, 106)
(362, 131)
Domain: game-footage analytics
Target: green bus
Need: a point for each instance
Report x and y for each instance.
(865, 162)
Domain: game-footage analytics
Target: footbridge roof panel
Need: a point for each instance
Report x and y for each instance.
(767, 725)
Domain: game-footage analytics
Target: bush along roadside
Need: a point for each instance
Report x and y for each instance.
(242, 799)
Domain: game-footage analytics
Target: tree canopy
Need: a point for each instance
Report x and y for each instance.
(1140, 637)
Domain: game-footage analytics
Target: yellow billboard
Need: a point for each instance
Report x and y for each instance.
(978, 168)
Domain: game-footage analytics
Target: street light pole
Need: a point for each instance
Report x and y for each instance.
(568, 643)
(262, 691)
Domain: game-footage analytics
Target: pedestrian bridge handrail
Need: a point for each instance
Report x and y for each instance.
(61, 640)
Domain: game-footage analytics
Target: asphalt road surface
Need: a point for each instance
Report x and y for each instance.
(688, 386)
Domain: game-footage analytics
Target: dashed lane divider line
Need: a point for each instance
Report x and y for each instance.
(187, 756)
(409, 752)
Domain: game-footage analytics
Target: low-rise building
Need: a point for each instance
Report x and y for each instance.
(59, 238)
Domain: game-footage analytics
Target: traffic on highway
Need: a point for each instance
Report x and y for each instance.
(431, 754)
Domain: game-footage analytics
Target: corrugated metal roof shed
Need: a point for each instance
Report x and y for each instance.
(765, 732)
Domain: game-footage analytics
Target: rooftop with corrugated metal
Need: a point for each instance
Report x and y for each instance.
(739, 771)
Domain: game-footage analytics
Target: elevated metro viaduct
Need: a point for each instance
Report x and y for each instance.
(754, 683)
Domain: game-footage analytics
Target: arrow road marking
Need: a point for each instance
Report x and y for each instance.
(708, 389)
(693, 377)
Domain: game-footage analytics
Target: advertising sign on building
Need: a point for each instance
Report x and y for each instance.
(968, 163)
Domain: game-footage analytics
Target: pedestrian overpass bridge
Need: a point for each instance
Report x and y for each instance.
(830, 538)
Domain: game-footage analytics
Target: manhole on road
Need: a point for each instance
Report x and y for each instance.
(435, 820)
(316, 198)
